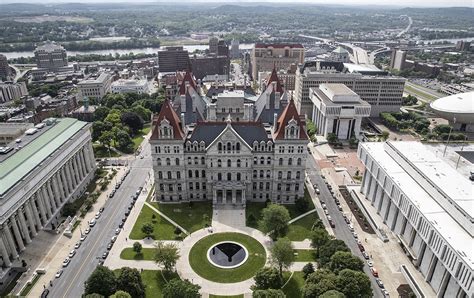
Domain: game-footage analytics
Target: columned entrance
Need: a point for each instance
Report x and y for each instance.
(228, 196)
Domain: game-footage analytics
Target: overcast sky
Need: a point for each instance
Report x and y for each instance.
(411, 3)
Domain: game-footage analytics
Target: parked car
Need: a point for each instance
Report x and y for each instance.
(121, 225)
(379, 282)
(127, 213)
(111, 194)
(66, 262)
(317, 191)
(83, 237)
(324, 206)
(97, 215)
(78, 244)
(322, 176)
(385, 293)
(59, 273)
(339, 207)
(361, 247)
(370, 263)
(92, 222)
(366, 255)
(331, 223)
(117, 231)
(337, 201)
(351, 227)
(87, 231)
(355, 235)
(113, 239)
(109, 246)
(101, 209)
(374, 272)
(326, 212)
(101, 262)
(72, 253)
(105, 254)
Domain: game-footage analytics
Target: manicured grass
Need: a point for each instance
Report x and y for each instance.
(200, 264)
(295, 284)
(295, 212)
(138, 139)
(301, 229)
(304, 255)
(147, 254)
(102, 152)
(190, 216)
(220, 296)
(155, 282)
(28, 288)
(419, 93)
(163, 230)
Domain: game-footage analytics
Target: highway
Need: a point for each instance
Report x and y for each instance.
(410, 22)
(341, 231)
(71, 283)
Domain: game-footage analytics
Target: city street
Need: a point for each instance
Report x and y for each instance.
(71, 283)
(341, 231)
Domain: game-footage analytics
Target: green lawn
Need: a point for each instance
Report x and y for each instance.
(295, 284)
(163, 230)
(28, 288)
(102, 152)
(419, 93)
(295, 212)
(200, 264)
(138, 139)
(301, 229)
(147, 254)
(304, 255)
(189, 216)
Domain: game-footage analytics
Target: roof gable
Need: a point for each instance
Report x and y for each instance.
(285, 117)
(274, 78)
(167, 112)
(187, 78)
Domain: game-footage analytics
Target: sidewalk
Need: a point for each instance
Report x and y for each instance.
(167, 218)
(56, 253)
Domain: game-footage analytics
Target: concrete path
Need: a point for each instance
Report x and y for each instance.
(305, 244)
(298, 266)
(301, 216)
(167, 218)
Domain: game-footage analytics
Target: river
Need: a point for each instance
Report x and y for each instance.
(190, 48)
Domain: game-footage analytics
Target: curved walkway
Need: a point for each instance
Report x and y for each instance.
(209, 287)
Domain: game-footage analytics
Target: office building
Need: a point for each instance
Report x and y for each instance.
(173, 59)
(9, 132)
(4, 68)
(463, 46)
(213, 42)
(340, 55)
(50, 56)
(398, 60)
(234, 49)
(265, 57)
(95, 87)
(53, 166)
(338, 110)
(202, 66)
(383, 93)
(12, 91)
(130, 86)
(428, 206)
(229, 162)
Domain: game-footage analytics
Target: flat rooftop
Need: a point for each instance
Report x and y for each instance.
(453, 183)
(15, 165)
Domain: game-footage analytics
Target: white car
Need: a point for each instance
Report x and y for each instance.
(92, 223)
(370, 263)
(97, 215)
(59, 273)
(324, 206)
(117, 231)
(113, 239)
(72, 253)
(355, 235)
(66, 262)
(87, 231)
(83, 237)
(317, 191)
(326, 212)
(78, 244)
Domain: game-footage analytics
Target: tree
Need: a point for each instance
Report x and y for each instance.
(331, 138)
(319, 237)
(105, 138)
(385, 135)
(93, 295)
(319, 282)
(345, 260)
(302, 205)
(442, 129)
(100, 113)
(332, 294)
(113, 117)
(133, 121)
(121, 294)
(166, 255)
(275, 220)
(137, 247)
(99, 127)
(102, 281)
(148, 229)
(282, 254)
(269, 293)
(326, 251)
(354, 283)
(310, 128)
(130, 280)
(143, 112)
(307, 270)
(177, 288)
(267, 278)
(125, 143)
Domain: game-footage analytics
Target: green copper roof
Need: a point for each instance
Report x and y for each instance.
(17, 166)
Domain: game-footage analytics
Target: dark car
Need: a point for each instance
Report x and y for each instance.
(101, 209)
(109, 246)
(105, 254)
(127, 213)
(45, 293)
(121, 225)
(379, 282)
(130, 207)
(331, 223)
(361, 247)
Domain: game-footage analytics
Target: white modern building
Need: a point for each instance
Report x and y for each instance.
(429, 206)
(458, 109)
(95, 88)
(53, 166)
(340, 55)
(130, 86)
(339, 110)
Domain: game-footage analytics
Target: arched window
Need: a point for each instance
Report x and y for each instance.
(176, 161)
(290, 161)
(269, 160)
(229, 163)
(262, 160)
(189, 160)
(219, 146)
(160, 175)
(298, 161)
(280, 161)
(254, 173)
(288, 175)
(168, 162)
(178, 175)
(190, 174)
(261, 173)
(238, 176)
(280, 174)
(238, 163)
(169, 174)
(203, 174)
(203, 160)
(298, 175)
(237, 147)
(158, 161)
(229, 176)
(268, 173)
(196, 174)
(196, 160)
(219, 176)
(219, 163)
(255, 160)
(229, 146)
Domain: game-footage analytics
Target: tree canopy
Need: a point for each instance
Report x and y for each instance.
(177, 288)
(166, 255)
(267, 278)
(130, 280)
(102, 281)
(275, 220)
(282, 254)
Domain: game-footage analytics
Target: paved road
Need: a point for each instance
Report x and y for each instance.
(341, 231)
(71, 283)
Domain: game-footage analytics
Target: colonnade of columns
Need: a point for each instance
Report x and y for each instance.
(18, 230)
(232, 199)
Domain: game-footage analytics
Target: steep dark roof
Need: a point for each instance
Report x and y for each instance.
(248, 131)
(169, 114)
(274, 78)
(187, 78)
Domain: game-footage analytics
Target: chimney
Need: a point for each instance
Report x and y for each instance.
(275, 117)
(183, 123)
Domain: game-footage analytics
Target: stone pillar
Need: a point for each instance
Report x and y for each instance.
(79, 165)
(24, 227)
(224, 196)
(84, 164)
(90, 152)
(41, 207)
(59, 185)
(69, 177)
(57, 193)
(234, 199)
(30, 208)
(64, 182)
(30, 218)
(5, 256)
(51, 196)
(243, 197)
(11, 242)
(16, 231)
(214, 198)
(46, 203)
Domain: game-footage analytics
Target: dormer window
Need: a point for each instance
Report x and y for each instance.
(292, 130)
(166, 130)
